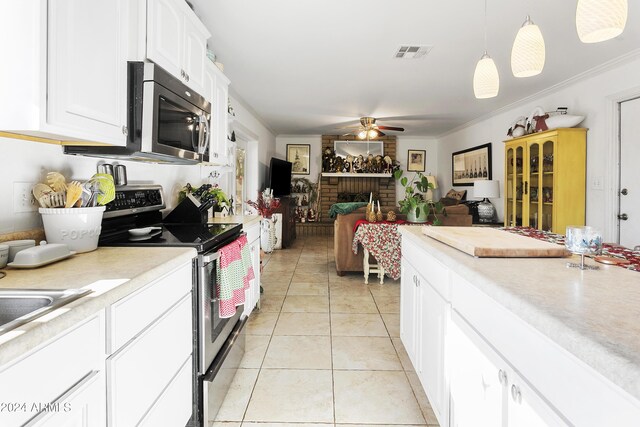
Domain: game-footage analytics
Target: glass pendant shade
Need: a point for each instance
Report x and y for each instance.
(486, 81)
(600, 20)
(362, 134)
(528, 52)
(373, 133)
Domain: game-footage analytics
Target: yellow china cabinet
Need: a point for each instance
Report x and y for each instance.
(545, 178)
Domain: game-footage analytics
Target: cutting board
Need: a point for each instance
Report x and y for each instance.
(491, 242)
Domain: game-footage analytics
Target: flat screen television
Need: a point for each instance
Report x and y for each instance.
(280, 177)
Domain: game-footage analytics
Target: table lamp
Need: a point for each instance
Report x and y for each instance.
(428, 195)
(486, 189)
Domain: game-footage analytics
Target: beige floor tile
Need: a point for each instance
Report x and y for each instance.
(277, 277)
(270, 302)
(353, 304)
(299, 352)
(276, 287)
(375, 397)
(348, 289)
(278, 266)
(387, 304)
(225, 424)
(302, 276)
(255, 349)
(402, 354)
(261, 323)
(302, 288)
(392, 322)
(250, 424)
(378, 425)
(303, 324)
(423, 401)
(362, 325)
(306, 304)
(389, 289)
(349, 277)
(289, 395)
(315, 268)
(364, 353)
(235, 404)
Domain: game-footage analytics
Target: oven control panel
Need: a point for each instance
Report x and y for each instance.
(134, 199)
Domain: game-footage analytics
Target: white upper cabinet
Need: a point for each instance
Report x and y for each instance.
(177, 41)
(87, 69)
(65, 78)
(217, 92)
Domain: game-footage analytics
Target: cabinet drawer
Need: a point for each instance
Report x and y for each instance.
(173, 408)
(253, 232)
(130, 315)
(428, 267)
(139, 372)
(51, 370)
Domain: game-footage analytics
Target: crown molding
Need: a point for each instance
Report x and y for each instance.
(246, 106)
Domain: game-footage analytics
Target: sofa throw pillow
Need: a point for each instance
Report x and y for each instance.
(458, 195)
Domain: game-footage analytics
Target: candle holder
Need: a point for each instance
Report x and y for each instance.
(583, 241)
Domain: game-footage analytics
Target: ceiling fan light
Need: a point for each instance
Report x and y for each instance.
(373, 133)
(486, 80)
(362, 134)
(600, 20)
(528, 52)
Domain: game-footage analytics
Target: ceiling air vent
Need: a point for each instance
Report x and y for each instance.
(412, 52)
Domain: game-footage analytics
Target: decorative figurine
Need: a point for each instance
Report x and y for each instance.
(391, 216)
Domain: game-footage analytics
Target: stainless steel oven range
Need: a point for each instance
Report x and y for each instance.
(218, 343)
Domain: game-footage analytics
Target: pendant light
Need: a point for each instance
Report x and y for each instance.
(600, 20)
(486, 81)
(528, 52)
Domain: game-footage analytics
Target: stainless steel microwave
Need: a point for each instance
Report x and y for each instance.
(167, 121)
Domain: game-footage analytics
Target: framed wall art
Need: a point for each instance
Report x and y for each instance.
(470, 165)
(298, 155)
(416, 160)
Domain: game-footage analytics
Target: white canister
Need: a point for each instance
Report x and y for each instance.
(78, 228)
(4, 255)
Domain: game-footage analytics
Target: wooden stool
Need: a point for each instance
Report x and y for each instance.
(371, 268)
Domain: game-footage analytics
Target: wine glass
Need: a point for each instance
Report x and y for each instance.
(583, 241)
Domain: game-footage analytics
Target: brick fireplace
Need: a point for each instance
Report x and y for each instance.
(332, 186)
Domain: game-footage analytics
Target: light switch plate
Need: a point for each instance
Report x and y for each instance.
(23, 200)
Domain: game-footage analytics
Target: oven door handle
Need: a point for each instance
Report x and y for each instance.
(225, 350)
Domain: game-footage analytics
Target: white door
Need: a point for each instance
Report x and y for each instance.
(165, 35)
(629, 174)
(87, 69)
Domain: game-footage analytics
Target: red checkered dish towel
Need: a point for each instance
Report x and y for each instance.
(234, 275)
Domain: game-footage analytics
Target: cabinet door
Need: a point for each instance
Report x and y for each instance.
(477, 394)
(87, 69)
(221, 99)
(514, 183)
(409, 321)
(526, 408)
(195, 53)
(165, 35)
(83, 406)
(433, 312)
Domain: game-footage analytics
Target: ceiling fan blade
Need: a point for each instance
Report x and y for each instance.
(380, 133)
(391, 128)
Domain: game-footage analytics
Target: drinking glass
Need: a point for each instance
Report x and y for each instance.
(583, 241)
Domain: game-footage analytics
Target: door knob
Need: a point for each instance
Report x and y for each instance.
(623, 217)
(624, 191)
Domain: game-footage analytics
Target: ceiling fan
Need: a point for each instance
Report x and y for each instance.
(368, 129)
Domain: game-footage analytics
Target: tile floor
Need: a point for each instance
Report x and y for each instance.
(323, 350)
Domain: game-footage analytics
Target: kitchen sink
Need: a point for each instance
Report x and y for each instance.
(20, 306)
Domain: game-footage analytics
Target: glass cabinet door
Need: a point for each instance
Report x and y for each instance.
(519, 185)
(510, 176)
(533, 182)
(546, 188)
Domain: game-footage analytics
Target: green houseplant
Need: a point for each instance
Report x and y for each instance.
(414, 205)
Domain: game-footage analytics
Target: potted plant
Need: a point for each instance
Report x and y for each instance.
(414, 204)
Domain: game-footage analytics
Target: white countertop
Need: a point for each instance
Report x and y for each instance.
(593, 314)
(246, 220)
(111, 272)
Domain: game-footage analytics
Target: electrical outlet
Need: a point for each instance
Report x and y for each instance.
(23, 200)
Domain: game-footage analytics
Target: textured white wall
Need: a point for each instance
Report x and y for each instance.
(589, 96)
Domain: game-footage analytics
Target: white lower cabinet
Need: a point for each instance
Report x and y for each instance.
(252, 295)
(83, 406)
(423, 322)
(46, 381)
(486, 390)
